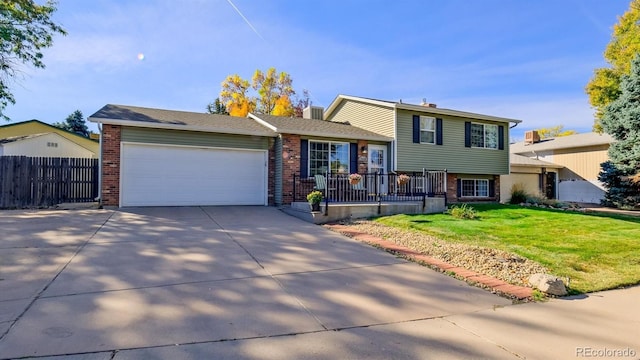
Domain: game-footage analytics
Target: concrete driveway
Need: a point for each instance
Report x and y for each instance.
(252, 282)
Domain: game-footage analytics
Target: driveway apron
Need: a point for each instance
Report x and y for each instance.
(138, 281)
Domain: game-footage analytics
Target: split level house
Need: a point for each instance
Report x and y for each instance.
(154, 157)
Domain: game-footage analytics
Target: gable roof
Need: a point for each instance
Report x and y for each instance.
(520, 160)
(563, 142)
(417, 108)
(177, 120)
(313, 127)
(34, 126)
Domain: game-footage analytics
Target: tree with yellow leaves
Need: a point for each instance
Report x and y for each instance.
(274, 94)
(604, 87)
(554, 131)
(234, 96)
(283, 107)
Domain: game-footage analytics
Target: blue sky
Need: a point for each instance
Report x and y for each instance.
(528, 60)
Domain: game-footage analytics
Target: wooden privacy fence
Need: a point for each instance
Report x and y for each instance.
(41, 181)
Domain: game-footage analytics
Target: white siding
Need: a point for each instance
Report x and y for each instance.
(47, 145)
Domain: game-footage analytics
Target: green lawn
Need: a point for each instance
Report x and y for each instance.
(596, 251)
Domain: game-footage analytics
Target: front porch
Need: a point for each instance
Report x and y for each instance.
(372, 195)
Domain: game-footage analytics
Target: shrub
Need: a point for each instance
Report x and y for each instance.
(463, 211)
(314, 197)
(518, 194)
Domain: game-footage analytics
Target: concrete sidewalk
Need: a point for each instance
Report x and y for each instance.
(252, 282)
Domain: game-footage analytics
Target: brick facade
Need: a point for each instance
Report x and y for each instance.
(111, 136)
(363, 158)
(452, 190)
(290, 165)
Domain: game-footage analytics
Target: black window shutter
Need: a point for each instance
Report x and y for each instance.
(492, 188)
(438, 131)
(304, 159)
(459, 188)
(416, 129)
(501, 137)
(467, 134)
(353, 152)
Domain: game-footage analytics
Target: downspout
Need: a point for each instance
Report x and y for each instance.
(100, 167)
(278, 170)
(394, 143)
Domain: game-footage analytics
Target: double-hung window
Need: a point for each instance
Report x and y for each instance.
(326, 156)
(484, 136)
(427, 130)
(475, 187)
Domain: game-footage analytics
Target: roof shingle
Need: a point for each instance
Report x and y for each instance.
(321, 128)
(179, 120)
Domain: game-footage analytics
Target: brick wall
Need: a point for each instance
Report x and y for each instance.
(111, 135)
(363, 160)
(271, 173)
(452, 190)
(290, 165)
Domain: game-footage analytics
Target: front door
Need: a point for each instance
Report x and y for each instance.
(550, 185)
(378, 165)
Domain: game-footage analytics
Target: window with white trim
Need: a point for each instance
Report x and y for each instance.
(475, 187)
(427, 130)
(326, 156)
(484, 136)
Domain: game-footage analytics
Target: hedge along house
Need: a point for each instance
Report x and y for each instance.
(473, 148)
(153, 157)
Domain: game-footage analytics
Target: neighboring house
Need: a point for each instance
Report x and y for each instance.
(43, 145)
(535, 177)
(35, 127)
(578, 158)
(473, 148)
(153, 157)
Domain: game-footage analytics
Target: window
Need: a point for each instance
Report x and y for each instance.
(484, 136)
(475, 187)
(326, 157)
(427, 129)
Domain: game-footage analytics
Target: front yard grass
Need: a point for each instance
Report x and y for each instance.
(596, 251)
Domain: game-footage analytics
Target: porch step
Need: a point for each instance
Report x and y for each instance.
(341, 211)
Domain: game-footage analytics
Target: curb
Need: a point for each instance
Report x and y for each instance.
(497, 285)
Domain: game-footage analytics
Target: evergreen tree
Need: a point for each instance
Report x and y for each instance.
(75, 123)
(217, 107)
(621, 119)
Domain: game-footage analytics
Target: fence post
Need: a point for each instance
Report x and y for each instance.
(378, 196)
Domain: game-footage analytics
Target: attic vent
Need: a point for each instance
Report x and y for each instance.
(531, 137)
(313, 112)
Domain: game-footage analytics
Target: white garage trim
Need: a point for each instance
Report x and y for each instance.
(177, 175)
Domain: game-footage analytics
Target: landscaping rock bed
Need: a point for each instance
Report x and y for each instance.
(500, 264)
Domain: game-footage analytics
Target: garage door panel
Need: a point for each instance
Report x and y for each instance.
(166, 175)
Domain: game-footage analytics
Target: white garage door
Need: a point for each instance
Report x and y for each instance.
(580, 191)
(156, 175)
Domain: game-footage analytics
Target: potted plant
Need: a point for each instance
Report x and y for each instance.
(314, 198)
(403, 179)
(354, 179)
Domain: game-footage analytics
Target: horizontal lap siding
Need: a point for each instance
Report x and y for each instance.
(452, 155)
(375, 118)
(194, 138)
